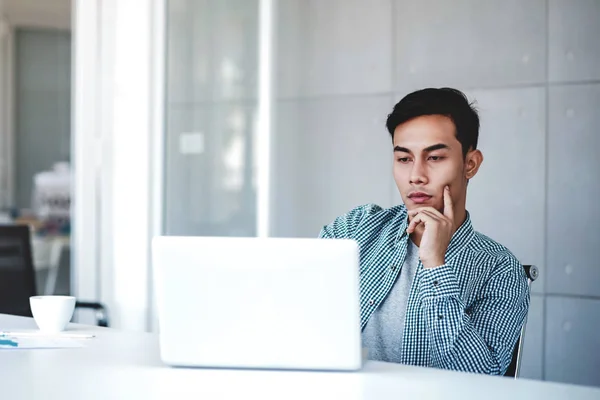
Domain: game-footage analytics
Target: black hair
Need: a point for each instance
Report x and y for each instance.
(449, 102)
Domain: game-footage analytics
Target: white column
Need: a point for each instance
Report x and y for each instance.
(85, 149)
(266, 78)
(106, 54)
(131, 163)
(158, 134)
(118, 129)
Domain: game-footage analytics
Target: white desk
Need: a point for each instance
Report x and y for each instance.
(121, 365)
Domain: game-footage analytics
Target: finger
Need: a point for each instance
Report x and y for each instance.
(435, 220)
(427, 217)
(448, 204)
(429, 211)
(434, 215)
(421, 218)
(418, 210)
(414, 223)
(413, 212)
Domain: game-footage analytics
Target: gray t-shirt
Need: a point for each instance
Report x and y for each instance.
(383, 333)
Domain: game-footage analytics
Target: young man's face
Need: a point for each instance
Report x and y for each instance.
(427, 157)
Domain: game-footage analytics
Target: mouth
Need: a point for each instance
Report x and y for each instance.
(419, 197)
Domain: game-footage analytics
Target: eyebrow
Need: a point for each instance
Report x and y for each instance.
(428, 149)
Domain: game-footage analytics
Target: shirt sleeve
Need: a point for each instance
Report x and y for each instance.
(345, 226)
(480, 338)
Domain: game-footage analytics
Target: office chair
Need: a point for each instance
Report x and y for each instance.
(17, 275)
(515, 365)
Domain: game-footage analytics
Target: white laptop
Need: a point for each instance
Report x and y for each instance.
(276, 303)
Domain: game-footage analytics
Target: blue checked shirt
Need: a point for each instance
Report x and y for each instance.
(465, 315)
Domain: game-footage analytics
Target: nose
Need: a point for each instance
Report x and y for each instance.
(418, 175)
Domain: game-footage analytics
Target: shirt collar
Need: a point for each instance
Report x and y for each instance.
(402, 235)
(460, 238)
(463, 235)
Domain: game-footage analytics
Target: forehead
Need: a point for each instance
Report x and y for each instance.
(425, 131)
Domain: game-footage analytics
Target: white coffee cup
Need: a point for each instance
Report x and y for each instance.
(52, 313)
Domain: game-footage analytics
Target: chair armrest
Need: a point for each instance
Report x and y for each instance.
(532, 272)
(99, 308)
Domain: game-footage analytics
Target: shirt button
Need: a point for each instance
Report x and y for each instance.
(392, 267)
(435, 283)
(440, 317)
(371, 302)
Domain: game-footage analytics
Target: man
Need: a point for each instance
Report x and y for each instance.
(433, 291)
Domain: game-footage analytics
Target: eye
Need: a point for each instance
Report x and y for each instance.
(403, 160)
(436, 158)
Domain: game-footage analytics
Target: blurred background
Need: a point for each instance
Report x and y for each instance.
(267, 117)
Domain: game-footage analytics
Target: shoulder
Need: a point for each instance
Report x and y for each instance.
(497, 254)
(363, 217)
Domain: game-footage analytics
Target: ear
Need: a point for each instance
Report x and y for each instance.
(473, 161)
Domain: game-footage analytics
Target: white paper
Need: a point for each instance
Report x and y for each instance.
(14, 343)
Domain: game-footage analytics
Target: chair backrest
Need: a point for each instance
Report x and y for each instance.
(515, 365)
(17, 277)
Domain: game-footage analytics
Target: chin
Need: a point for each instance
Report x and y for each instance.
(411, 205)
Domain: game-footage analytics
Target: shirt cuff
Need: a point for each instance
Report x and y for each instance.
(439, 282)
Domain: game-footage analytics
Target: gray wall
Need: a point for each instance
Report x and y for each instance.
(42, 105)
(532, 66)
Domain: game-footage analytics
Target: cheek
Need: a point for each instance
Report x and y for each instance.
(400, 175)
(451, 174)
(457, 183)
(446, 177)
